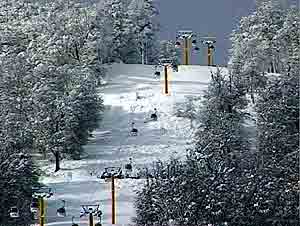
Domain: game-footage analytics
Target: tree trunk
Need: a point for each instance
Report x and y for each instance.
(57, 166)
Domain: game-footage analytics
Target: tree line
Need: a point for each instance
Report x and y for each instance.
(51, 67)
(244, 166)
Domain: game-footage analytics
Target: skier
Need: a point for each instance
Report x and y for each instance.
(175, 67)
(61, 212)
(128, 168)
(157, 73)
(134, 130)
(154, 115)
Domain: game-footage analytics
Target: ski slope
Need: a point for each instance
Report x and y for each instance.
(130, 95)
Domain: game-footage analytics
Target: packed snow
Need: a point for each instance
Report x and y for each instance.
(130, 94)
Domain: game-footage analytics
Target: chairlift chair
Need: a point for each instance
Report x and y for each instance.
(42, 191)
(83, 212)
(175, 67)
(128, 170)
(133, 131)
(34, 206)
(157, 73)
(99, 213)
(14, 212)
(61, 212)
(177, 44)
(153, 116)
(74, 224)
(112, 171)
(165, 61)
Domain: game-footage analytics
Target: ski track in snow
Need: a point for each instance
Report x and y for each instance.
(130, 95)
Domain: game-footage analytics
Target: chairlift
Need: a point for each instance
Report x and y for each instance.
(34, 206)
(99, 213)
(175, 67)
(61, 212)
(128, 169)
(194, 41)
(14, 212)
(128, 166)
(177, 44)
(197, 48)
(157, 73)
(153, 116)
(112, 172)
(42, 191)
(165, 61)
(34, 215)
(74, 224)
(83, 211)
(90, 209)
(49, 194)
(133, 131)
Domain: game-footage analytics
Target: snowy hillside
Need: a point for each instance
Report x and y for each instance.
(130, 95)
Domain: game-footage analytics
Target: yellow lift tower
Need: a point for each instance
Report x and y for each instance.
(209, 42)
(185, 39)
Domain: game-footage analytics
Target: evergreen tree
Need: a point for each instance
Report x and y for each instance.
(168, 50)
(128, 31)
(254, 46)
(17, 171)
(278, 137)
(84, 113)
(18, 175)
(208, 187)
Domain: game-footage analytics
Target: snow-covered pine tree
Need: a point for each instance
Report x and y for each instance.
(49, 101)
(67, 110)
(17, 171)
(18, 175)
(254, 47)
(84, 112)
(128, 31)
(15, 103)
(159, 201)
(15, 25)
(65, 54)
(116, 25)
(148, 28)
(278, 134)
(208, 187)
(146, 213)
(278, 151)
(168, 50)
(221, 147)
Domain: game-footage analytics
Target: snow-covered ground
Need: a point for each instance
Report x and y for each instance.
(77, 182)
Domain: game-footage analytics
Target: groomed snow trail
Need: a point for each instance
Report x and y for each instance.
(130, 95)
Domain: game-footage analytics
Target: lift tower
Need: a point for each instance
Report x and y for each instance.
(185, 39)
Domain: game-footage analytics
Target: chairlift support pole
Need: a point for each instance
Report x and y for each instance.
(91, 219)
(209, 41)
(209, 56)
(186, 51)
(113, 199)
(186, 37)
(166, 79)
(42, 210)
(42, 205)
